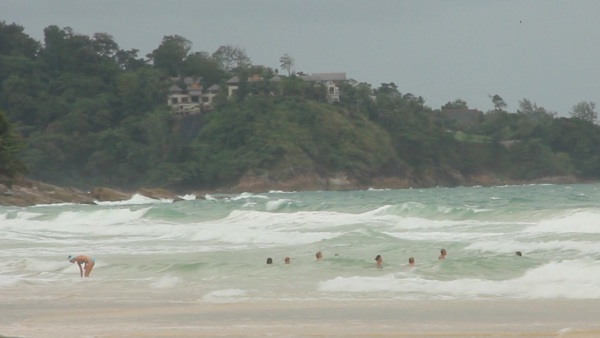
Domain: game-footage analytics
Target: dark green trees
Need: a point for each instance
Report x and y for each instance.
(90, 113)
(10, 164)
(585, 111)
(171, 54)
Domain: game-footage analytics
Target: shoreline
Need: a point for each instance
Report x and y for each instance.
(26, 192)
(310, 318)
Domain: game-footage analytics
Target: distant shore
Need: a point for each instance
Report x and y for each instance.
(27, 192)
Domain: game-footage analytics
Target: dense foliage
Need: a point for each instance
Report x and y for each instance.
(78, 110)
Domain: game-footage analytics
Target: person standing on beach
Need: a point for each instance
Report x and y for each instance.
(88, 264)
(442, 254)
(378, 261)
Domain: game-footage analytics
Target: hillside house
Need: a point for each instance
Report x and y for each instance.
(233, 85)
(330, 81)
(209, 96)
(193, 98)
(186, 101)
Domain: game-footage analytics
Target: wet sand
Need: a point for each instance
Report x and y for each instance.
(394, 318)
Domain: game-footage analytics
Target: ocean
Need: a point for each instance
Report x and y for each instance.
(213, 251)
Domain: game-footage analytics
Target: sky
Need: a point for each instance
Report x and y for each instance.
(545, 51)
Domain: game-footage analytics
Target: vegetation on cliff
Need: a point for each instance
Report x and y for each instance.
(88, 113)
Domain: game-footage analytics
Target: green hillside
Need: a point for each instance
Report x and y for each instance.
(79, 111)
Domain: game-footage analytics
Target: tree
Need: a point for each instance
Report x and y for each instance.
(171, 54)
(498, 102)
(139, 92)
(456, 104)
(230, 57)
(577, 138)
(533, 112)
(532, 159)
(200, 64)
(294, 86)
(10, 165)
(14, 41)
(128, 59)
(104, 44)
(358, 95)
(585, 111)
(65, 51)
(287, 63)
(387, 89)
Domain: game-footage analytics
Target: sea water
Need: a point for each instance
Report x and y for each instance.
(215, 249)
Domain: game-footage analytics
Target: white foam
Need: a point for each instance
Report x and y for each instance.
(9, 280)
(577, 221)
(225, 296)
(278, 204)
(188, 197)
(210, 197)
(244, 235)
(136, 199)
(166, 282)
(437, 236)
(247, 195)
(99, 217)
(90, 222)
(575, 279)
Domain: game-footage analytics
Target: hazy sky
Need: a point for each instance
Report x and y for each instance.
(547, 51)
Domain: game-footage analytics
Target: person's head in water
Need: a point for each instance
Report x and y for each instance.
(269, 260)
(378, 260)
(319, 255)
(287, 260)
(411, 261)
(518, 253)
(442, 254)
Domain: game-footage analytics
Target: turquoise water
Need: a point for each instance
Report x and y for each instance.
(217, 248)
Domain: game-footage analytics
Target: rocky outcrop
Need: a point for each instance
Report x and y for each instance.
(109, 195)
(25, 192)
(159, 194)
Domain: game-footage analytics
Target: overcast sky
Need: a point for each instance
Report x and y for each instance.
(547, 51)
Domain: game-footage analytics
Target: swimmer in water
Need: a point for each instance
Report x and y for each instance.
(378, 261)
(319, 256)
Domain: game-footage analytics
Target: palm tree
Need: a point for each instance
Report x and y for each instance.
(287, 63)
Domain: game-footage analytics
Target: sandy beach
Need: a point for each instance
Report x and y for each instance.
(394, 318)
